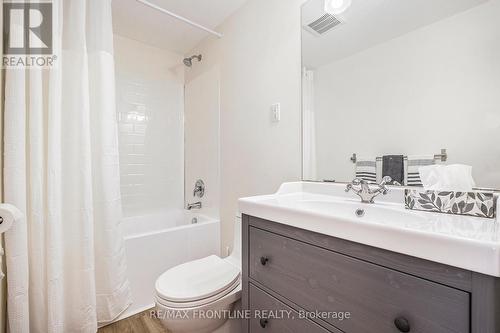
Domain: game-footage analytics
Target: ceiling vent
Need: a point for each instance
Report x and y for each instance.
(322, 25)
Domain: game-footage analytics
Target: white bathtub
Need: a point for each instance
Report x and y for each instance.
(155, 243)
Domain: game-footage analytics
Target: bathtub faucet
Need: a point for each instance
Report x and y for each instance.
(196, 205)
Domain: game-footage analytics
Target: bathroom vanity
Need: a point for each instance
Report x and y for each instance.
(321, 269)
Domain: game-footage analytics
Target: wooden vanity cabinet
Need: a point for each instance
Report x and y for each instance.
(309, 282)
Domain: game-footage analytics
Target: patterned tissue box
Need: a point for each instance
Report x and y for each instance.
(479, 204)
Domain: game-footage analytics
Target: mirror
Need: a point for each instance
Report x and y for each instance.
(400, 79)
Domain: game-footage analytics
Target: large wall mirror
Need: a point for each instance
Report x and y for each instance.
(390, 79)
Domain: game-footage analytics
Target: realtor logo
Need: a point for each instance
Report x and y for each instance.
(27, 34)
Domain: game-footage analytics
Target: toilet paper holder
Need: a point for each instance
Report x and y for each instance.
(9, 214)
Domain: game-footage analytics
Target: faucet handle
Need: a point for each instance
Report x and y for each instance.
(386, 180)
(383, 185)
(355, 182)
(199, 189)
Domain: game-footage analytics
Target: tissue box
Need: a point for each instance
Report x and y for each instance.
(479, 204)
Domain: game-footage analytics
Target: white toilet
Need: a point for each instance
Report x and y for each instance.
(196, 297)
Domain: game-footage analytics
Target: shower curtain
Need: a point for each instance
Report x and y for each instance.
(65, 262)
(309, 126)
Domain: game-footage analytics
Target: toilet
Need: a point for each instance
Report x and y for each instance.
(196, 297)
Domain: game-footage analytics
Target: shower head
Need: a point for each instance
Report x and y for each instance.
(189, 61)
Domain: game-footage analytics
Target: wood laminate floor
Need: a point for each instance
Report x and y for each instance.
(140, 323)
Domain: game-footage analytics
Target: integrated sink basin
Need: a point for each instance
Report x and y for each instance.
(470, 243)
(373, 213)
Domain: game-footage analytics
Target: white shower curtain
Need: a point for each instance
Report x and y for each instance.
(308, 126)
(65, 263)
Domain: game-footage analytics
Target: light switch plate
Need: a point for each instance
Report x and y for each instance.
(276, 112)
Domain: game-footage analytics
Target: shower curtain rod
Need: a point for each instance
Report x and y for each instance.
(180, 18)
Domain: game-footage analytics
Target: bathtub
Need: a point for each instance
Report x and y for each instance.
(157, 242)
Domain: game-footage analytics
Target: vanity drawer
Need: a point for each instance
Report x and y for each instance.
(260, 300)
(319, 279)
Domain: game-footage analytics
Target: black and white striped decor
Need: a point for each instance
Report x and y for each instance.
(366, 170)
(414, 163)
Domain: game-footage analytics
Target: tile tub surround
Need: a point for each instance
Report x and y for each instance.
(150, 107)
(479, 204)
(471, 243)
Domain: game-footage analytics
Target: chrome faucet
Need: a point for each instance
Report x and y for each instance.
(362, 188)
(196, 205)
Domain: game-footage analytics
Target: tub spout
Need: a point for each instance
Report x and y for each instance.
(196, 205)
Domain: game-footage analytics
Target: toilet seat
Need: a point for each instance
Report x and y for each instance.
(197, 283)
(202, 302)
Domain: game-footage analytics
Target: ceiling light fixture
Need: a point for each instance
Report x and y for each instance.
(336, 7)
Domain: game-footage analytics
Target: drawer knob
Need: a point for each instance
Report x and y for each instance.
(263, 323)
(264, 260)
(402, 324)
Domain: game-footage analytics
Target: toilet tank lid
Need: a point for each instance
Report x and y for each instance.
(197, 279)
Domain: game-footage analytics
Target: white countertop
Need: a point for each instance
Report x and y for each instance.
(470, 243)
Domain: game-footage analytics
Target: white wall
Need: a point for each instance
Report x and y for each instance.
(436, 87)
(3, 283)
(202, 140)
(150, 107)
(259, 62)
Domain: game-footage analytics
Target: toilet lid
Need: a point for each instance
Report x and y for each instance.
(197, 279)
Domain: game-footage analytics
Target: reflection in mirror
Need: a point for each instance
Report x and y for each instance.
(389, 84)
